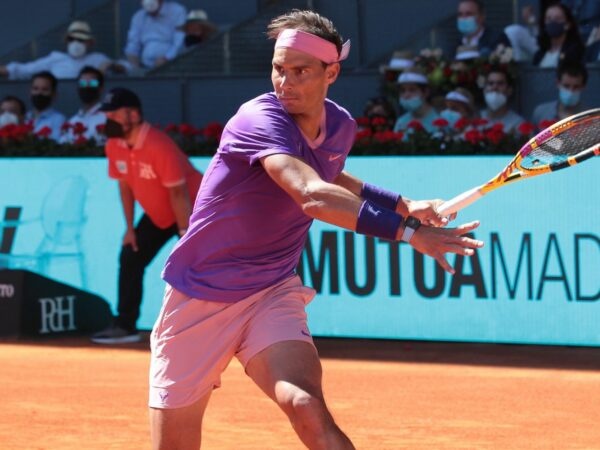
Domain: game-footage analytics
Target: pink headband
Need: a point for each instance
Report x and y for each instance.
(313, 45)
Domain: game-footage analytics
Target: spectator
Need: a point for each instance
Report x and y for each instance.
(571, 81)
(380, 113)
(155, 35)
(586, 14)
(559, 38)
(89, 120)
(152, 171)
(459, 105)
(471, 24)
(414, 99)
(523, 37)
(497, 92)
(12, 111)
(79, 41)
(46, 121)
(197, 28)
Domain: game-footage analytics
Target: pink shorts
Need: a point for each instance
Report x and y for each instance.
(194, 340)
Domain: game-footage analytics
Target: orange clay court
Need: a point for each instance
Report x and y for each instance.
(67, 394)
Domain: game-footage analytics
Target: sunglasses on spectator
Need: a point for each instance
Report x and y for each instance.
(89, 83)
(71, 39)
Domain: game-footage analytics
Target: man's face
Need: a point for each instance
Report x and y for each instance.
(41, 86)
(129, 118)
(410, 90)
(571, 83)
(300, 81)
(470, 9)
(496, 82)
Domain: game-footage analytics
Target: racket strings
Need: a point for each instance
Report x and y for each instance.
(565, 144)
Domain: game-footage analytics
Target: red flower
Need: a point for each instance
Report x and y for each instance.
(81, 140)
(363, 121)
(378, 121)
(473, 136)
(494, 135)
(213, 130)
(479, 122)
(545, 124)
(100, 128)
(79, 129)
(45, 132)
(171, 128)
(65, 126)
(526, 128)
(440, 122)
(415, 125)
(187, 130)
(461, 123)
(499, 126)
(363, 134)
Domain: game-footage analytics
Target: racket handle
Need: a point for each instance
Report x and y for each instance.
(460, 201)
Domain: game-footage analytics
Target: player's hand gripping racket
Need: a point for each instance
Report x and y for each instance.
(564, 144)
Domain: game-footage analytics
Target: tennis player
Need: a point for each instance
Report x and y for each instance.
(232, 288)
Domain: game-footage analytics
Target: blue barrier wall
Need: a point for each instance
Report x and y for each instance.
(537, 280)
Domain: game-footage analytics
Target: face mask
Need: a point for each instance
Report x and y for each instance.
(568, 97)
(89, 95)
(76, 49)
(495, 100)
(41, 101)
(192, 39)
(555, 29)
(151, 6)
(8, 118)
(466, 25)
(411, 104)
(113, 129)
(451, 116)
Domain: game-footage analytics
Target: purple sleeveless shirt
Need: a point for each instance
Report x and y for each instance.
(246, 233)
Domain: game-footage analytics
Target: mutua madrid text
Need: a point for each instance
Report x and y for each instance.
(522, 267)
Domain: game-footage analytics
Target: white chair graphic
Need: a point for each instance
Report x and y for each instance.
(62, 218)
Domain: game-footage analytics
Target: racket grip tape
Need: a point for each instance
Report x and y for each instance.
(460, 201)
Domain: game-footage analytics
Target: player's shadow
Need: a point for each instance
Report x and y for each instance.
(475, 354)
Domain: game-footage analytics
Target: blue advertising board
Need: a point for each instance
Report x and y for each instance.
(536, 281)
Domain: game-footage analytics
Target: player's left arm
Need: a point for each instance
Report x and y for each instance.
(181, 204)
(424, 210)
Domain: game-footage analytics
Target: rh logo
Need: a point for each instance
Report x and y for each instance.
(57, 314)
(7, 290)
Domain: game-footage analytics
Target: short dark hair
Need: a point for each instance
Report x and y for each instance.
(308, 21)
(17, 100)
(48, 76)
(479, 4)
(574, 69)
(507, 77)
(92, 70)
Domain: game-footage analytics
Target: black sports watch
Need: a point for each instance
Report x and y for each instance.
(411, 224)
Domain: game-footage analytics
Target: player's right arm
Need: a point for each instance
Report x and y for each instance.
(338, 205)
(424, 210)
(128, 204)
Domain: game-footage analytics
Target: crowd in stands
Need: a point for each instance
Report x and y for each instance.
(471, 94)
(427, 95)
(159, 31)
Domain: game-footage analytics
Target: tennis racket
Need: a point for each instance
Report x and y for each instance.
(564, 144)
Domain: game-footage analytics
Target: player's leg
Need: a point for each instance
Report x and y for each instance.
(290, 373)
(278, 353)
(191, 344)
(179, 428)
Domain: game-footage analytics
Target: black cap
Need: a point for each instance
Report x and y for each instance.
(120, 98)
